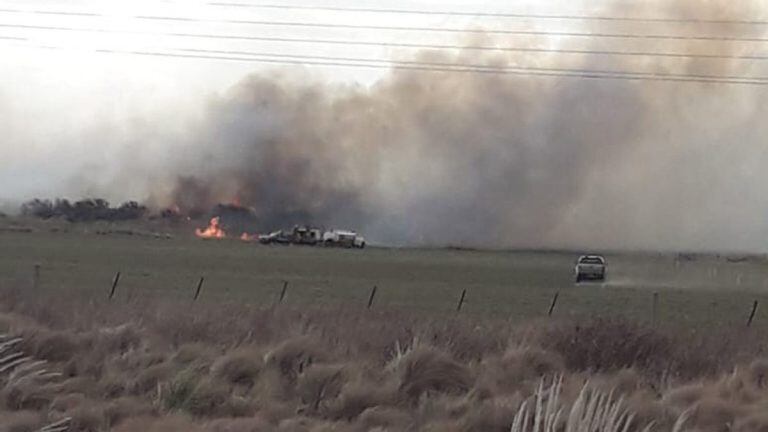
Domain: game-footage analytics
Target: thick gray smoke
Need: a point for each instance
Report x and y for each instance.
(501, 160)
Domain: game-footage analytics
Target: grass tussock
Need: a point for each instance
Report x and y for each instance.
(220, 368)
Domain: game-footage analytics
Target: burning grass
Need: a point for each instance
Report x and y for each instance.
(223, 367)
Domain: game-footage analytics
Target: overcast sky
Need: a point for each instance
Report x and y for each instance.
(54, 80)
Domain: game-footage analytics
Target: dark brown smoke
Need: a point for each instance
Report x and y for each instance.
(500, 160)
(495, 160)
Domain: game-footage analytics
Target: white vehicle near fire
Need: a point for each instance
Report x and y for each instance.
(590, 267)
(343, 238)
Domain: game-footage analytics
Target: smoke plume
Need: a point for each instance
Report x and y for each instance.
(495, 159)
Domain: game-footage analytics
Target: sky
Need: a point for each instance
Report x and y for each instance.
(58, 77)
(414, 157)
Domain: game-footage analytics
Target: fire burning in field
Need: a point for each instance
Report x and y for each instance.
(215, 230)
(212, 231)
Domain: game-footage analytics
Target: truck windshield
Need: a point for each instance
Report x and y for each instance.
(591, 260)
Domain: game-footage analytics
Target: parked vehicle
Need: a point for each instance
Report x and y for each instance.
(343, 238)
(590, 267)
(275, 237)
(304, 235)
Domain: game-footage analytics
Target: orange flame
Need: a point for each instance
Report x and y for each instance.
(212, 231)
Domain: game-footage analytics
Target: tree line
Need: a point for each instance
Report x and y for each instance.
(85, 210)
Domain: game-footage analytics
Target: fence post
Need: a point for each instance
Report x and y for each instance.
(370, 299)
(554, 302)
(461, 300)
(284, 291)
(752, 314)
(655, 308)
(115, 280)
(199, 288)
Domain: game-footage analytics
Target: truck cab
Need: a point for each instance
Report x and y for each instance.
(590, 267)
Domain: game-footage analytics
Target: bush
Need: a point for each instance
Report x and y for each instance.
(429, 370)
(238, 367)
(608, 345)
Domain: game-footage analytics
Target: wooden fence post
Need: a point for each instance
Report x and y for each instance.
(554, 302)
(370, 299)
(199, 288)
(115, 281)
(655, 308)
(752, 314)
(461, 300)
(284, 291)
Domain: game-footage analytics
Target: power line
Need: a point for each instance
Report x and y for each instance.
(473, 65)
(13, 38)
(455, 30)
(396, 44)
(490, 14)
(419, 29)
(425, 67)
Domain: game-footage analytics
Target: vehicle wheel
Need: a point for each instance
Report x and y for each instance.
(578, 278)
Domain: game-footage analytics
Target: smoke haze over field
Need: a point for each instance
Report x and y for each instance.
(460, 158)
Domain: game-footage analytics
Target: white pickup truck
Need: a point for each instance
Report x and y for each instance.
(342, 238)
(590, 267)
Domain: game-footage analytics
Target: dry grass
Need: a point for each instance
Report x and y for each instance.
(220, 368)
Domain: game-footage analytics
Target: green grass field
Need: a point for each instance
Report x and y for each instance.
(516, 285)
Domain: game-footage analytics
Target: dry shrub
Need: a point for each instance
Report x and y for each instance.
(275, 411)
(714, 414)
(737, 387)
(27, 396)
(113, 385)
(254, 424)
(441, 426)
(136, 359)
(684, 396)
(758, 371)
(649, 410)
(20, 421)
(516, 367)
(193, 353)
(293, 356)
(148, 379)
(608, 344)
(119, 339)
(442, 406)
(466, 340)
(205, 397)
(425, 370)
(388, 418)
(357, 396)
(53, 346)
(81, 384)
(295, 424)
(752, 423)
(84, 365)
(173, 423)
(492, 415)
(319, 383)
(241, 366)
(126, 407)
(87, 418)
(68, 402)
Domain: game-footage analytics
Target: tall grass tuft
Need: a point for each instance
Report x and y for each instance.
(593, 411)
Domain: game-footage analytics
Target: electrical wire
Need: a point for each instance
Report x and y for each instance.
(396, 44)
